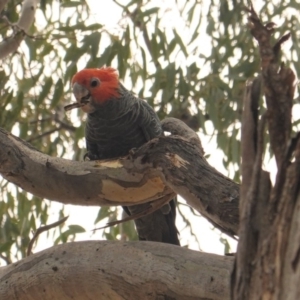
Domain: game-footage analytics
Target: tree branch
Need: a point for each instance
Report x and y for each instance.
(33, 138)
(6, 259)
(177, 127)
(117, 270)
(159, 168)
(27, 14)
(26, 19)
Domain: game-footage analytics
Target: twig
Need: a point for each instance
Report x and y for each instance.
(62, 124)
(188, 223)
(43, 134)
(58, 118)
(153, 206)
(42, 229)
(40, 120)
(6, 259)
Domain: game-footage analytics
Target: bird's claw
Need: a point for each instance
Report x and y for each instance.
(89, 156)
(132, 151)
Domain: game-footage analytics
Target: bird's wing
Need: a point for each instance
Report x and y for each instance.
(159, 225)
(148, 121)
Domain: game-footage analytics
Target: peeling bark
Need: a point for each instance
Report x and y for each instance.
(160, 168)
(99, 270)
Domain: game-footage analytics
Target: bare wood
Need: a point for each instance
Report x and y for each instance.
(111, 270)
(159, 168)
(249, 132)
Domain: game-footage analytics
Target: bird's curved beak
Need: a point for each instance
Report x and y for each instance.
(83, 98)
(81, 94)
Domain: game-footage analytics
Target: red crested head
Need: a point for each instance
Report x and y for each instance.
(95, 86)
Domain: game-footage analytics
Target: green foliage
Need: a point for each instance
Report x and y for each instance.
(69, 234)
(193, 67)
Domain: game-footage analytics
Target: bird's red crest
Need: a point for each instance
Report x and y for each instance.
(109, 83)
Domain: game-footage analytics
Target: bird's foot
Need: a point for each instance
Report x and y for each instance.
(89, 156)
(132, 151)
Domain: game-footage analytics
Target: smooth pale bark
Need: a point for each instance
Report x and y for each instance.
(116, 270)
(26, 19)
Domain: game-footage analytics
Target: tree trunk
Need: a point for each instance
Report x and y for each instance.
(267, 260)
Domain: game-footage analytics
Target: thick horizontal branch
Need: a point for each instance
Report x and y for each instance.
(161, 167)
(115, 270)
(72, 182)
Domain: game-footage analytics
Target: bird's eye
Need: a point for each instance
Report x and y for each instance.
(95, 82)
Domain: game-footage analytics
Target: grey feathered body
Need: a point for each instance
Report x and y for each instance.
(120, 125)
(116, 127)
